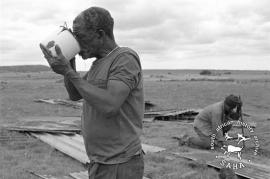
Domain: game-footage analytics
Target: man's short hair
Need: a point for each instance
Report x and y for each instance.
(97, 18)
(232, 101)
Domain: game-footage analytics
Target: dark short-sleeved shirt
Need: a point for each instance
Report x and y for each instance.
(115, 139)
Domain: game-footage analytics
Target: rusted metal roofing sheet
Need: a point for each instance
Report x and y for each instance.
(74, 145)
(251, 170)
(80, 175)
(84, 175)
(150, 149)
(78, 104)
(48, 176)
(70, 145)
(188, 114)
(67, 125)
(69, 103)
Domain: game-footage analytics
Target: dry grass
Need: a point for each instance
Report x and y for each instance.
(20, 152)
(159, 167)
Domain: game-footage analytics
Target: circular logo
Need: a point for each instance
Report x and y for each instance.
(235, 144)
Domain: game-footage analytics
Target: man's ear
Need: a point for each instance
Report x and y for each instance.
(101, 33)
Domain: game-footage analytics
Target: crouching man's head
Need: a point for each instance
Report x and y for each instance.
(231, 102)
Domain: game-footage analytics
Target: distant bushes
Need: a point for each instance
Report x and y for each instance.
(24, 68)
(212, 79)
(214, 73)
(227, 73)
(205, 72)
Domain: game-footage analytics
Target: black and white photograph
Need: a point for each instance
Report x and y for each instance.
(134, 89)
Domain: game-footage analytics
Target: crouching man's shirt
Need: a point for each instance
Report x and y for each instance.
(208, 120)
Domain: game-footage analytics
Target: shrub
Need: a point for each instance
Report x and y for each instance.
(227, 73)
(205, 72)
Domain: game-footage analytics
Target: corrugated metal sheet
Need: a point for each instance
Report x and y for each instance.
(48, 176)
(65, 125)
(69, 103)
(74, 175)
(78, 104)
(165, 115)
(70, 145)
(84, 175)
(80, 175)
(74, 145)
(149, 148)
(188, 114)
(251, 170)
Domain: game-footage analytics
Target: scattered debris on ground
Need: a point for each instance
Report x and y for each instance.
(73, 146)
(188, 114)
(148, 105)
(149, 115)
(78, 104)
(64, 125)
(74, 175)
(245, 168)
(66, 102)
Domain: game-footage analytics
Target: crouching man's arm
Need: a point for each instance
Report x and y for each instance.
(217, 128)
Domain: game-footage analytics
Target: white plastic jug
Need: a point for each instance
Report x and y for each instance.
(66, 41)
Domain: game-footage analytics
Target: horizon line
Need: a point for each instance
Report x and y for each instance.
(158, 68)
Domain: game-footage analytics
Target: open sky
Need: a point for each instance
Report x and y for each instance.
(167, 34)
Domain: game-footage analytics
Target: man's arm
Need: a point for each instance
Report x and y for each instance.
(124, 75)
(107, 101)
(73, 93)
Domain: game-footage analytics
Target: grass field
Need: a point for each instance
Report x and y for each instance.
(168, 89)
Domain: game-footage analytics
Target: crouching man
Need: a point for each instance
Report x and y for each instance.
(207, 124)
